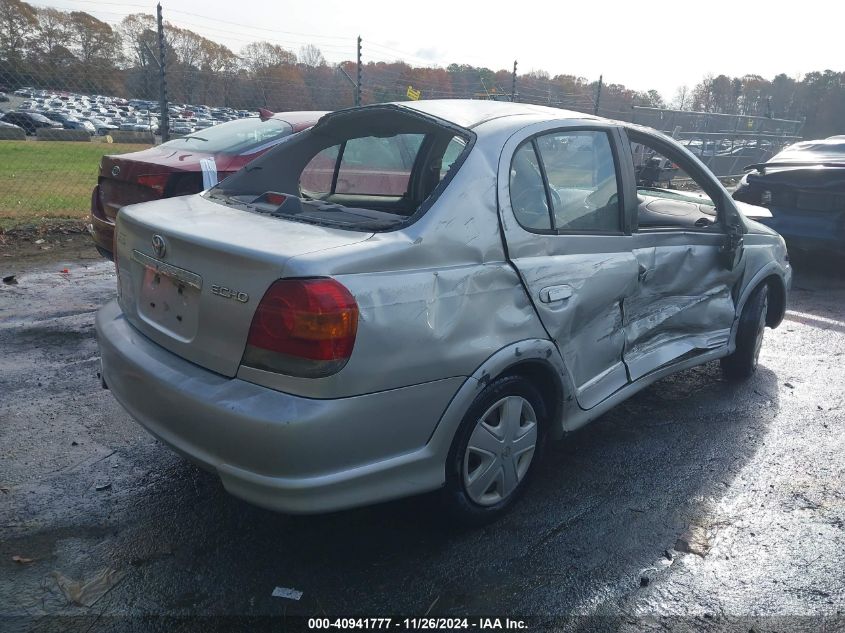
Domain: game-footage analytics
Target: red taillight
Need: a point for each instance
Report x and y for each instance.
(157, 182)
(303, 327)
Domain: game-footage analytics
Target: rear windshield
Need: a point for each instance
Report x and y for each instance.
(243, 136)
(369, 170)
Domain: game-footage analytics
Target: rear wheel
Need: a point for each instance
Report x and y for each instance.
(495, 450)
(749, 337)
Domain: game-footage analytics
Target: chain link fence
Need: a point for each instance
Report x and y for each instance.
(726, 143)
(74, 89)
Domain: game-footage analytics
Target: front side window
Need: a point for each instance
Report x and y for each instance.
(581, 174)
(669, 196)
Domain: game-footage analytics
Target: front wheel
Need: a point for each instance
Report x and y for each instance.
(495, 450)
(749, 337)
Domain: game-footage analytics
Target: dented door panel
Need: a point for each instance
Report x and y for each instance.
(587, 325)
(577, 283)
(683, 301)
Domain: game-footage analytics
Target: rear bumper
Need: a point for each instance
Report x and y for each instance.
(273, 449)
(102, 227)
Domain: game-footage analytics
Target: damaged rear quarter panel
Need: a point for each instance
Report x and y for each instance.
(436, 298)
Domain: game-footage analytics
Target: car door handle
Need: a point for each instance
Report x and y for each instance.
(555, 293)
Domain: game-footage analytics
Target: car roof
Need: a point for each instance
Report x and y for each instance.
(299, 120)
(469, 113)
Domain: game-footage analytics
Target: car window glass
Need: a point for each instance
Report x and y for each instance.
(234, 137)
(668, 196)
(453, 150)
(317, 176)
(582, 180)
(378, 166)
(527, 191)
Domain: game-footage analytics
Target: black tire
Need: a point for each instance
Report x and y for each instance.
(456, 497)
(742, 364)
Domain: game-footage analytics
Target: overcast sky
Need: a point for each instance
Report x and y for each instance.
(643, 45)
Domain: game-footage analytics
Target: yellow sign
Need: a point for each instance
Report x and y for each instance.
(413, 95)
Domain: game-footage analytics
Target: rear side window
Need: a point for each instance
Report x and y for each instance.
(528, 192)
(581, 174)
(453, 150)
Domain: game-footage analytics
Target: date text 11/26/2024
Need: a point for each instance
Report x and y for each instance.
(423, 623)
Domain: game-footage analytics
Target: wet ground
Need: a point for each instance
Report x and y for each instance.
(749, 478)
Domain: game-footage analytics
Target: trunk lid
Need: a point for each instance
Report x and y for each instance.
(180, 173)
(196, 295)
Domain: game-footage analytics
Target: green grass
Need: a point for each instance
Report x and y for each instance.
(48, 180)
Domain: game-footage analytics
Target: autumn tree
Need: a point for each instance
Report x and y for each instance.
(93, 40)
(18, 21)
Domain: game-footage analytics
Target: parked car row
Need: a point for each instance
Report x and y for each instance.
(101, 115)
(29, 122)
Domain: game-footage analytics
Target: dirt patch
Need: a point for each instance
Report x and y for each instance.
(51, 240)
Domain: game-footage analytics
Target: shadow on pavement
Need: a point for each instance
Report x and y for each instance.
(607, 503)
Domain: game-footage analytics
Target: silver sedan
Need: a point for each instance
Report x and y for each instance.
(418, 296)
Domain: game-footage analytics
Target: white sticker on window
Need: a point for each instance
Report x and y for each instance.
(209, 173)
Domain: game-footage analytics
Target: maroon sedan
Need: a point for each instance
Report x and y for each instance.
(184, 166)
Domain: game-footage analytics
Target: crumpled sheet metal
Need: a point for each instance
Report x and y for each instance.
(588, 326)
(683, 303)
(450, 318)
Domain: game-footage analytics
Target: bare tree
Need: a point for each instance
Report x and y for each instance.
(258, 56)
(310, 55)
(681, 100)
(137, 32)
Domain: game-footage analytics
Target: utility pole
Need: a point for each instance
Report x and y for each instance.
(358, 82)
(162, 94)
(598, 96)
(513, 83)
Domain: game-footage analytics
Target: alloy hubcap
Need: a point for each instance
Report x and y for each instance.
(500, 450)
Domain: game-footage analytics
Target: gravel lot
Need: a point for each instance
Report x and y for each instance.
(749, 478)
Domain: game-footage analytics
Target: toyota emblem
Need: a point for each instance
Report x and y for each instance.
(115, 170)
(159, 246)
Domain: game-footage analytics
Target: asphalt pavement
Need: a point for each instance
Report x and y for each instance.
(696, 505)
